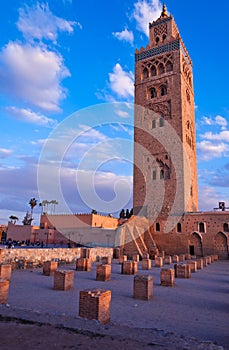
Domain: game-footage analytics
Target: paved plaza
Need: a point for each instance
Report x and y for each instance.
(193, 314)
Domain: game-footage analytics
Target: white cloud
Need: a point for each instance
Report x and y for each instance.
(209, 150)
(33, 74)
(125, 35)
(121, 82)
(221, 121)
(222, 136)
(218, 120)
(31, 117)
(146, 12)
(4, 153)
(38, 22)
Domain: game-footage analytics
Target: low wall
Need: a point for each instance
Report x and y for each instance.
(39, 255)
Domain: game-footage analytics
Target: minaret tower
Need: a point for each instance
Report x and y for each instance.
(164, 88)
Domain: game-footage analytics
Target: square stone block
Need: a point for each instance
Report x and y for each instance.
(193, 265)
(216, 257)
(83, 264)
(162, 254)
(103, 272)
(182, 271)
(168, 260)
(5, 271)
(145, 256)
(143, 287)
(146, 264)
(4, 289)
(116, 253)
(135, 257)
(182, 257)
(129, 267)
(49, 268)
(106, 260)
(205, 261)
(188, 256)
(175, 259)
(63, 280)
(85, 253)
(122, 258)
(167, 277)
(158, 261)
(95, 305)
(200, 264)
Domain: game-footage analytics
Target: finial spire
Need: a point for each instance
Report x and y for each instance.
(164, 11)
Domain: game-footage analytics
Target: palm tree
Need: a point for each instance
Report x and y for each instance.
(13, 219)
(54, 203)
(32, 203)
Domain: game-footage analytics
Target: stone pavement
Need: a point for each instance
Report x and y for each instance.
(193, 314)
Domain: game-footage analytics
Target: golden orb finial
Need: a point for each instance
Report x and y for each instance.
(164, 11)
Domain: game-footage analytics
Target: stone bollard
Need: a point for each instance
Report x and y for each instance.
(83, 264)
(4, 289)
(182, 271)
(135, 257)
(213, 258)
(162, 254)
(145, 256)
(116, 253)
(216, 257)
(200, 264)
(182, 257)
(5, 271)
(103, 272)
(95, 305)
(205, 261)
(209, 259)
(85, 253)
(143, 287)
(158, 261)
(175, 259)
(146, 264)
(122, 258)
(193, 265)
(168, 260)
(63, 280)
(106, 260)
(49, 268)
(129, 267)
(167, 277)
(188, 256)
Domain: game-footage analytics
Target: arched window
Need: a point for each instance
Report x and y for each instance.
(169, 66)
(153, 93)
(162, 175)
(164, 37)
(157, 227)
(225, 227)
(201, 227)
(161, 68)
(163, 90)
(154, 174)
(153, 123)
(157, 39)
(161, 122)
(145, 73)
(153, 71)
(179, 227)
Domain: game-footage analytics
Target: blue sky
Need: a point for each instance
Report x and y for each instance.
(59, 57)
